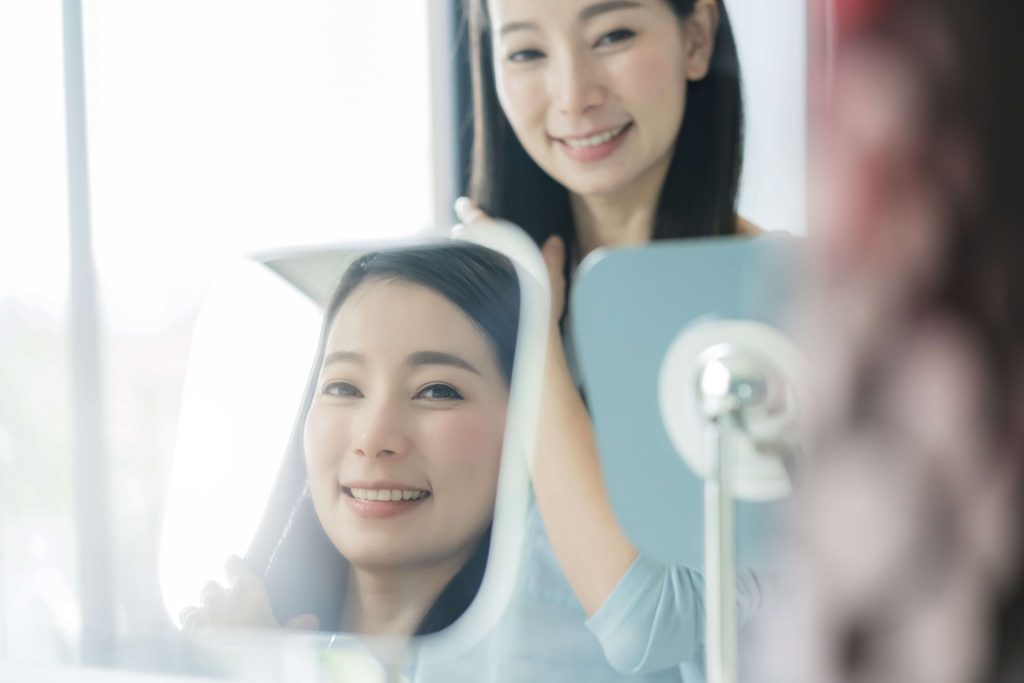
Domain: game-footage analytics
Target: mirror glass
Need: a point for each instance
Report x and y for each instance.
(341, 435)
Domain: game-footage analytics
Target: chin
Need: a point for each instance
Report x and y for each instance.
(366, 556)
(595, 186)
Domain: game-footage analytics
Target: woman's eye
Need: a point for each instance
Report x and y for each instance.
(525, 55)
(612, 37)
(439, 392)
(342, 390)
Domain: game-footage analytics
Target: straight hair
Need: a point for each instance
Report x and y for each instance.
(698, 197)
(306, 573)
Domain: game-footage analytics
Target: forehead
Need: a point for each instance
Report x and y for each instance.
(560, 11)
(383, 317)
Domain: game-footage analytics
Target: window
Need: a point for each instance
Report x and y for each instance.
(214, 130)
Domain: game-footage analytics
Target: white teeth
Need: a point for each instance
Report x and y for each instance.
(386, 495)
(595, 140)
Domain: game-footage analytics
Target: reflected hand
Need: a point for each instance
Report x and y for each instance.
(244, 604)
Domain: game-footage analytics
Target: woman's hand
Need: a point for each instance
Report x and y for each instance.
(243, 605)
(553, 251)
(590, 546)
(468, 212)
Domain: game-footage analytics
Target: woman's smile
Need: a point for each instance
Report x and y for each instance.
(383, 503)
(381, 499)
(594, 146)
(561, 67)
(384, 495)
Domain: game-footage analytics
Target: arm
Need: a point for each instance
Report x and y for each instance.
(591, 547)
(646, 615)
(746, 228)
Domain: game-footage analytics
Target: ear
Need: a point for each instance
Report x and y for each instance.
(699, 31)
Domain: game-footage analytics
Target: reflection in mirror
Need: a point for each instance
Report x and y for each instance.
(378, 519)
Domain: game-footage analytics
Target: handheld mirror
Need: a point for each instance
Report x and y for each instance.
(355, 418)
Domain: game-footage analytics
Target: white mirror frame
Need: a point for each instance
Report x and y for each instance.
(436, 651)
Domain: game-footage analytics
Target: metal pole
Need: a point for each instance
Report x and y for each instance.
(88, 450)
(719, 565)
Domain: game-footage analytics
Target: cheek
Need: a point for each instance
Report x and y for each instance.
(521, 96)
(465, 449)
(323, 436)
(652, 79)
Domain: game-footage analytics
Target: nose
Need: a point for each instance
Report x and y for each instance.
(380, 429)
(575, 84)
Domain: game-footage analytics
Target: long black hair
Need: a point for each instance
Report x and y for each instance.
(302, 569)
(698, 197)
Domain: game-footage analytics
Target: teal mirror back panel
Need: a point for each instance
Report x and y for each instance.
(627, 306)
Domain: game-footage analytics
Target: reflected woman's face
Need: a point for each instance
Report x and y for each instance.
(596, 91)
(403, 439)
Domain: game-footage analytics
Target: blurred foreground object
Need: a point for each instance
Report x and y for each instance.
(908, 530)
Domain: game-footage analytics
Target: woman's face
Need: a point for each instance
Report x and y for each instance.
(596, 91)
(403, 439)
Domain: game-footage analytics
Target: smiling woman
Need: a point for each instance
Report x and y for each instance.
(577, 88)
(604, 123)
(401, 438)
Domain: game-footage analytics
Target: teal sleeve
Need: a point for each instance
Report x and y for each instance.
(654, 617)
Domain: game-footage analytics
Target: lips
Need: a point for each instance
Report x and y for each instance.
(595, 146)
(385, 495)
(382, 500)
(594, 139)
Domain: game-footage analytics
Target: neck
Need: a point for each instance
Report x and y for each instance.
(621, 218)
(394, 601)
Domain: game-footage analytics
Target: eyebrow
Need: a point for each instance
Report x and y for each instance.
(344, 357)
(604, 7)
(586, 14)
(440, 358)
(414, 360)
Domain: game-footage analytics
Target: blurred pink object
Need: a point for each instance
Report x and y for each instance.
(907, 529)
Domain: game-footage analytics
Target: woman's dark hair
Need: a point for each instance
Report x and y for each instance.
(699, 194)
(305, 573)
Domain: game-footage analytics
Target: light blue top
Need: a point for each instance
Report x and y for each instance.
(651, 627)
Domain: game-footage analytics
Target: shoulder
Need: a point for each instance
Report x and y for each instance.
(746, 228)
(653, 619)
